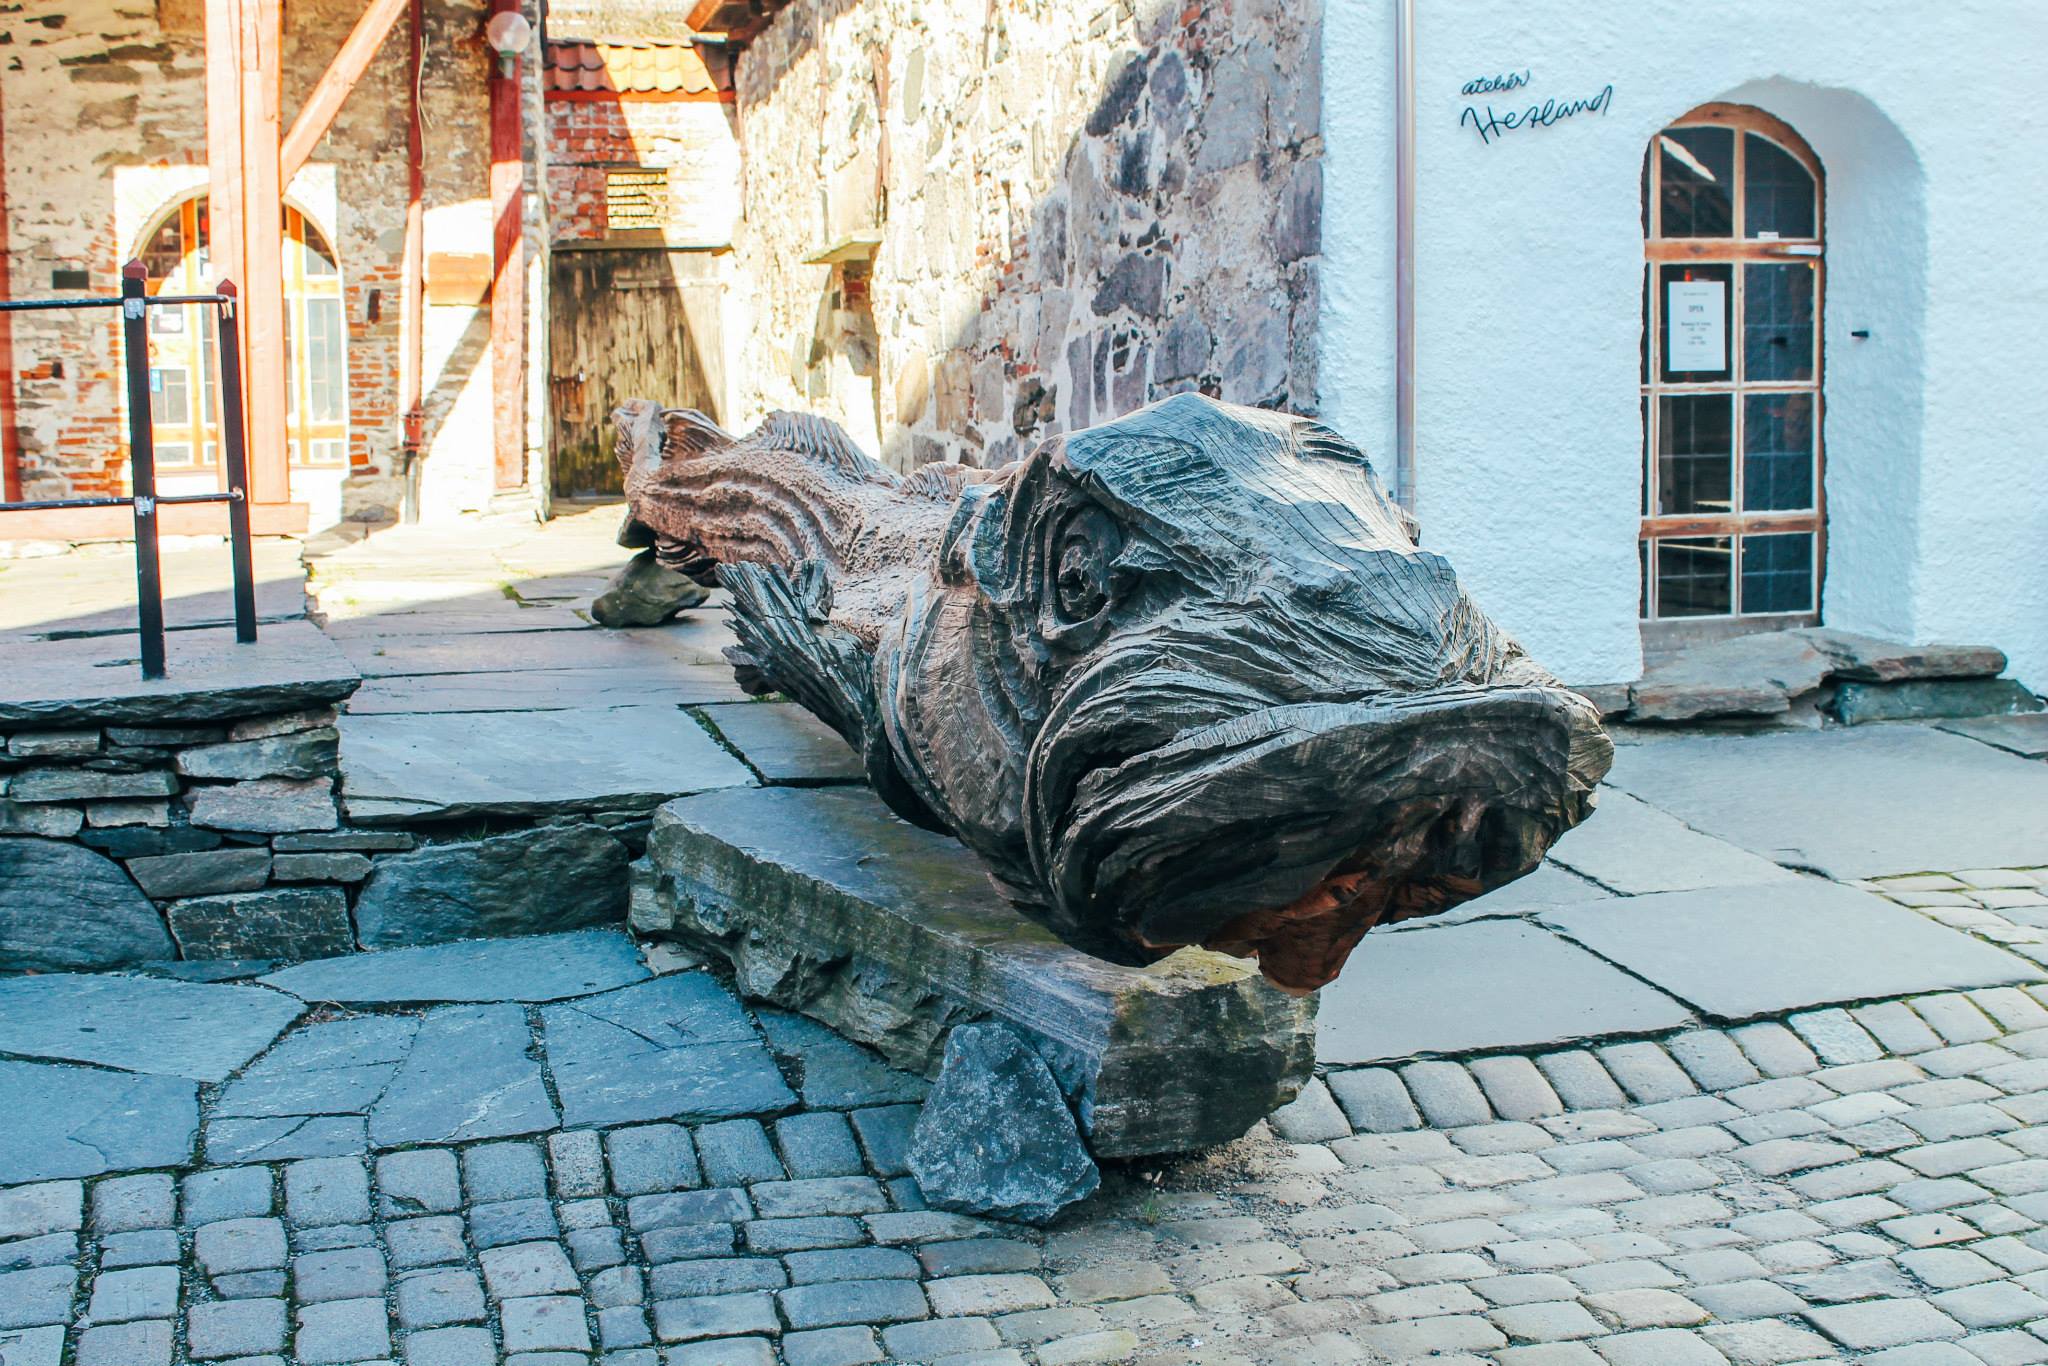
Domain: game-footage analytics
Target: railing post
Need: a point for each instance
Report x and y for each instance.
(149, 599)
(234, 447)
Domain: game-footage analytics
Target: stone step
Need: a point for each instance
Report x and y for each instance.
(1770, 673)
(824, 902)
(1931, 699)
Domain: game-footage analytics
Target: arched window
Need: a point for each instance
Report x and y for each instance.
(182, 375)
(1733, 515)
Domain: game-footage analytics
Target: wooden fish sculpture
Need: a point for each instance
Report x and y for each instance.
(1182, 678)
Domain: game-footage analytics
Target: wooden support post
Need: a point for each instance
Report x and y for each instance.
(10, 439)
(508, 283)
(347, 68)
(262, 277)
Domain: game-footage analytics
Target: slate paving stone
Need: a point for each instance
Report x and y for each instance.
(451, 1347)
(785, 743)
(1741, 953)
(203, 1031)
(341, 1331)
(676, 1047)
(548, 967)
(468, 1076)
(234, 1328)
(600, 759)
(1859, 802)
(283, 1139)
(341, 1274)
(2025, 735)
(504, 884)
(37, 1296)
(325, 1068)
(837, 1074)
(126, 1203)
(1632, 847)
(126, 1344)
(423, 1181)
(1412, 994)
(58, 1121)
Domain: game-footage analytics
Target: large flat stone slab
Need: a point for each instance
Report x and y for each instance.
(201, 1030)
(541, 967)
(785, 743)
(695, 642)
(508, 763)
(96, 680)
(60, 1121)
(549, 689)
(1549, 885)
(676, 1047)
(91, 590)
(2026, 736)
(824, 902)
(1738, 953)
(1852, 803)
(1483, 985)
(470, 1074)
(64, 906)
(329, 1067)
(1634, 848)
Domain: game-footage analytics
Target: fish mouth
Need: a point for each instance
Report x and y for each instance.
(1284, 832)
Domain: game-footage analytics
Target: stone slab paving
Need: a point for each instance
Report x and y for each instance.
(607, 1164)
(619, 758)
(2026, 736)
(1413, 993)
(1866, 801)
(91, 589)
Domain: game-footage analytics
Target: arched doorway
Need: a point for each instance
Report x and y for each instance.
(183, 376)
(1733, 514)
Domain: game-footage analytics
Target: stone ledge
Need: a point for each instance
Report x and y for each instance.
(95, 680)
(825, 903)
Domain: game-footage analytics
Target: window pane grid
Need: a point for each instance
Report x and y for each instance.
(1730, 458)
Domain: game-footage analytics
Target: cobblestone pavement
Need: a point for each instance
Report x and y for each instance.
(537, 1151)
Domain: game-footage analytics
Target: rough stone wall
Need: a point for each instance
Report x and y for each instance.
(1082, 207)
(105, 109)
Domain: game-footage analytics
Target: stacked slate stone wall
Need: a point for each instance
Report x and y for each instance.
(1081, 208)
(137, 843)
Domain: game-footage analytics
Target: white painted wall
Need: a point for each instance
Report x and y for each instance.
(1529, 261)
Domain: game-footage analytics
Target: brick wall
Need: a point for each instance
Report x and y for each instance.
(105, 129)
(693, 139)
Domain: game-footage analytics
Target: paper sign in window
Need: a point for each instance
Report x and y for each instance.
(1696, 325)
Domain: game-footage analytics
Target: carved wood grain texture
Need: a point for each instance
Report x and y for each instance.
(1182, 678)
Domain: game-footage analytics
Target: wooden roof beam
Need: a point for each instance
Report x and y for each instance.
(341, 76)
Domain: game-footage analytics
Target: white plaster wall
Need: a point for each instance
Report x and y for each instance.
(1529, 263)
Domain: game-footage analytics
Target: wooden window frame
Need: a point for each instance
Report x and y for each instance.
(1736, 252)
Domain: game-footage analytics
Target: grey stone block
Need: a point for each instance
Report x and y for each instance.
(1712, 1059)
(1374, 1099)
(884, 1132)
(433, 1241)
(348, 1273)
(333, 1190)
(126, 1344)
(423, 1181)
(795, 1235)
(53, 744)
(201, 873)
(511, 1221)
(527, 1269)
(853, 1302)
(341, 1331)
(282, 723)
(852, 1264)
(303, 754)
(995, 1136)
(451, 1347)
(650, 1158)
(503, 1171)
(832, 1347)
(331, 841)
(227, 1193)
(139, 1247)
(239, 1245)
(1515, 1088)
(818, 1143)
(1857, 703)
(145, 1292)
(883, 909)
(737, 1153)
(49, 1207)
(577, 1159)
(49, 822)
(62, 906)
(87, 785)
(1646, 1072)
(716, 1316)
(501, 885)
(287, 923)
(1446, 1094)
(338, 867)
(265, 806)
(715, 1276)
(725, 1352)
(234, 1328)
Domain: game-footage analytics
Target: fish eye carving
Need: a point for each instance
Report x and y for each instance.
(1083, 560)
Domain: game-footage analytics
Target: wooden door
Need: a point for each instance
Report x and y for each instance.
(616, 330)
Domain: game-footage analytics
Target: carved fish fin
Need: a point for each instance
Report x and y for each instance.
(786, 645)
(822, 440)
(687, 433)
(942, 480)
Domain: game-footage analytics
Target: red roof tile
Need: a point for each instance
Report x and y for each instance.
(630, 69)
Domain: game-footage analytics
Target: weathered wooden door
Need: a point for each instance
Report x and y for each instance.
(616, 330)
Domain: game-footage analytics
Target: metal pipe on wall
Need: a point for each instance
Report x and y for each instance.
(1404, 253)
(411, 366)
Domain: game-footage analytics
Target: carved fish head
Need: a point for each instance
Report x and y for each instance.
(1213, 692)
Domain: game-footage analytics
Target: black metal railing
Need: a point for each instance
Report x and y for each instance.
(135, 303)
